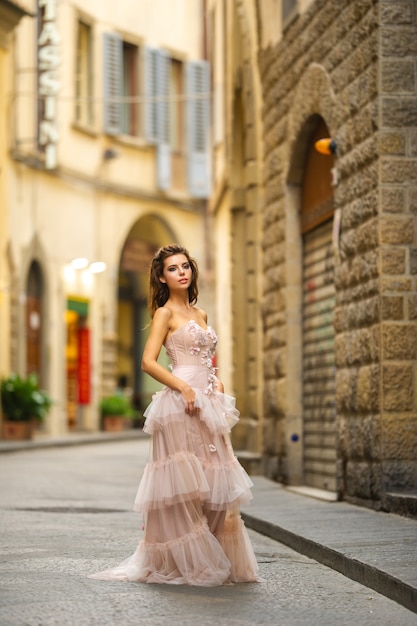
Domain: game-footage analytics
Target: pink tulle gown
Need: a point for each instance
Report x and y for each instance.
(193, 485)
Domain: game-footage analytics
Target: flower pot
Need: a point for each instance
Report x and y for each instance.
(17, 431)
(114, 423)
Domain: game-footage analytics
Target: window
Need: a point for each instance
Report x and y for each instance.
(176, 114)
(130, 90)
(84, 76)
(166, 109)
(198, 125)
(150, 85)
(176, 125)
(157, 96)
(165, 125)
(121, 86)
(157, 111)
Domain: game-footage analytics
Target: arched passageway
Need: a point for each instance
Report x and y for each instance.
(144, 238)
(310, 232)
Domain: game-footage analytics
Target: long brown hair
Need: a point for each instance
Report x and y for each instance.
(159, 292)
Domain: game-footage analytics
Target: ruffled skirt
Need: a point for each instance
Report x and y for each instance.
(189, 496)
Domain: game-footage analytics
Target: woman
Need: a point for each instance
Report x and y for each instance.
(193, 485)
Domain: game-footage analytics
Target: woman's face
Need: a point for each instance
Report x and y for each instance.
(177, 272)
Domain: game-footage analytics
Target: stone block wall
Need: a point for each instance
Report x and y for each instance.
(398, 245)
(361, 57)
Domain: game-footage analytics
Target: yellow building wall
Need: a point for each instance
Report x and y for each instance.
(4, 226)
(87, 206)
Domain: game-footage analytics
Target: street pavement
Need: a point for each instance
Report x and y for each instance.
(66, 512)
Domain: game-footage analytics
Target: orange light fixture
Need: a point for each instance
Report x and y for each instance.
(326, 146)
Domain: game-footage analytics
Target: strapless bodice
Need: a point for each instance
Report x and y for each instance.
(191, 344)
(191, 349)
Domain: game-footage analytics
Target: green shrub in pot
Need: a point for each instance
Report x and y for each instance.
(116, 405)
(22, 400)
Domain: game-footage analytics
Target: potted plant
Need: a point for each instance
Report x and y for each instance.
(116, 412)
(23, 404)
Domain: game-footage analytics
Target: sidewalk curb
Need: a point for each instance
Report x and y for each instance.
(362, 573)
(76, 440)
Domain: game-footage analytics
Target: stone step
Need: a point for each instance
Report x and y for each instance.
(402, 503)
(251, 461)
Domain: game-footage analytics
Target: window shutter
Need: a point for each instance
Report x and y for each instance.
(113, 53)
(198, 126)
(162, 116)
(150, 75)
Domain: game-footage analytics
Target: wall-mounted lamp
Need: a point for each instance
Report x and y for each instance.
(79, 263)
(326, 146)
(97, 267)
(109, 154)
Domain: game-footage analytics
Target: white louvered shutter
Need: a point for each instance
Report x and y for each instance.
(198, 127)
(150, 90)
(162, 117)
(112, 60)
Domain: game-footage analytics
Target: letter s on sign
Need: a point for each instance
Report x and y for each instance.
(49, 84)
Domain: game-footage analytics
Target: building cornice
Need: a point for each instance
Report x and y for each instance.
(98, 184)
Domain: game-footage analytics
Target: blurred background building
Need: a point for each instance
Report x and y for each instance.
(107, 160)
(197, 121)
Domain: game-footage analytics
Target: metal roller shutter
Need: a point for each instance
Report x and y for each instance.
(319, 411)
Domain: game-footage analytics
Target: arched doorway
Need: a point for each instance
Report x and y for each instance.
(34, 320)
(318, 302)
(144, 238)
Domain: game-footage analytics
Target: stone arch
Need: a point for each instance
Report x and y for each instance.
(145, 235)
(313, 97)
(34, 253)
(313, 100)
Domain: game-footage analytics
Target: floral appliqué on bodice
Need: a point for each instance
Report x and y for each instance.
(204, 344)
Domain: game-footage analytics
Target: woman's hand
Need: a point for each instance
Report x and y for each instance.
(188, 394)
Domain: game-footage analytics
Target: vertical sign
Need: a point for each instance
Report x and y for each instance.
(48, 85)
(83, 366)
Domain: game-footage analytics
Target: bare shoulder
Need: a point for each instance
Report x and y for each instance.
(162, 317)
(202, 313)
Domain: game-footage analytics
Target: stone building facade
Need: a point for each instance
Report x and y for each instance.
(235, 209)
(336, 284)
(353, 64)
